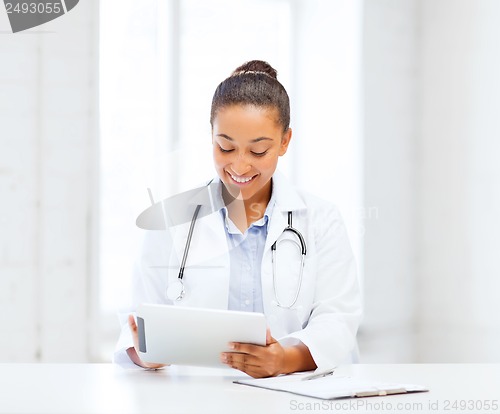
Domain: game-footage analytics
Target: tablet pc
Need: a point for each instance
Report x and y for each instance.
(181, 335)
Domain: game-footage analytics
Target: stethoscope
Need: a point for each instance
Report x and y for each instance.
(176, 291)
(302, 248)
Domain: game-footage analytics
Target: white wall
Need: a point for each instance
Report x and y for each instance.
(47, 159)
(326, 150)
(432, 128)
(459, 181)
(390, 43)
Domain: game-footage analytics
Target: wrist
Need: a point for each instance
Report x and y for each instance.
(297, 358)
(134, 357)
(288, 361)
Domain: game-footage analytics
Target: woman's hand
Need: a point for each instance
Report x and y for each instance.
(133, 353)
(269, 360)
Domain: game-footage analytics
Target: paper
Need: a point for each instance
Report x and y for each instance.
(331, 387)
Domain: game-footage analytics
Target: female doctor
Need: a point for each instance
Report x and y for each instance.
(305, 283)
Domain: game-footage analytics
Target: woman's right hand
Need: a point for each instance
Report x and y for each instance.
(133, 353)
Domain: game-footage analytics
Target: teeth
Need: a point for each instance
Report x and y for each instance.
(240, 180)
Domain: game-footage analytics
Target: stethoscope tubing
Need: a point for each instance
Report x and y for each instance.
(180, 294)
(188, 242)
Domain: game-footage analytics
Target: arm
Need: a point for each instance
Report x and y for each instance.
(148, 285)
(298, 358)
(132, 351)
(335, 312)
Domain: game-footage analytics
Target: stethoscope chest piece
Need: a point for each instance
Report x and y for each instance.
(175, 290)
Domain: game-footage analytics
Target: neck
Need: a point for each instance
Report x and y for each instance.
(244, 212)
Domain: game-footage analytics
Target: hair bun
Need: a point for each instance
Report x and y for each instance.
(256, 66)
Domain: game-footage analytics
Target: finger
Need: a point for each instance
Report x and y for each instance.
(246, 368)
(133, 329)
(231, 358)
(243, 348)
(131, 323)
(253, 370)
(248, 364)
(243, 362)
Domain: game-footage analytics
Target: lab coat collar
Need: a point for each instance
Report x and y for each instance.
(171, 210)
(174, 211)
(284, 193)
(210, 195)
(287, 197)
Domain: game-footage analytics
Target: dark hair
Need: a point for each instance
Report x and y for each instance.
(253, 83)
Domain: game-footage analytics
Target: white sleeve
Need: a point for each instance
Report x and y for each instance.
(330, 333)
(120, 356)
(149, 285)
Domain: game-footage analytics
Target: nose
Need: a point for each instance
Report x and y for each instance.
(240, 165)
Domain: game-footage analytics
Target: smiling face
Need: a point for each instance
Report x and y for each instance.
(247, 141)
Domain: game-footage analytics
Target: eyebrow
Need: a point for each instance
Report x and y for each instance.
(253, 140)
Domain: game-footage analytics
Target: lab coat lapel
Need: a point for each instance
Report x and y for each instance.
(208, 219)
(208, 258)
(287, 199)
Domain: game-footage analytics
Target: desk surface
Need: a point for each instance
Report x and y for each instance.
(104, 388)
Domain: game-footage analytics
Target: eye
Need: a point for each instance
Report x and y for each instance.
(259, 154)
(225, 150)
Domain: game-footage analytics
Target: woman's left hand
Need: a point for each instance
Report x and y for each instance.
(256, 360)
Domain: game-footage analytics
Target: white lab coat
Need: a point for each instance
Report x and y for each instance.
(328, 309)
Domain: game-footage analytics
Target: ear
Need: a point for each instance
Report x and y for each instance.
(285, 140)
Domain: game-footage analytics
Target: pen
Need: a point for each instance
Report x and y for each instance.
(319, 374)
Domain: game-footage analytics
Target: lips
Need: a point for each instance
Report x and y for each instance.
(241, 180)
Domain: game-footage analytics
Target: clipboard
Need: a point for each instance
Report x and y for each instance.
(329, 387)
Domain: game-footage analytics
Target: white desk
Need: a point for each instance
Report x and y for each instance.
(104, 388)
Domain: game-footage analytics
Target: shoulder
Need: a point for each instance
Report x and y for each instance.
(179, 208)
(318, 204)
(291, 197)
(323, 216)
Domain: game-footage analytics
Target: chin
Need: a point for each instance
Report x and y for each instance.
(236, 192)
